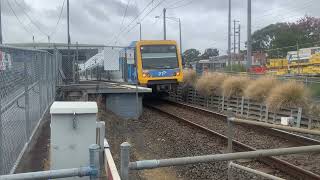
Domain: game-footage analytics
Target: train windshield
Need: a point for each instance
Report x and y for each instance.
(159, 57)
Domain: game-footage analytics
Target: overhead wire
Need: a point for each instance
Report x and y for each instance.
(160, 2)
(31, 20)
(58, 22)
(127, 30)
(136, 17)
(125, 13)
(18, 19)
(180, 6)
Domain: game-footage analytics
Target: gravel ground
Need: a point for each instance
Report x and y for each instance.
(248, 135)
(155, 136)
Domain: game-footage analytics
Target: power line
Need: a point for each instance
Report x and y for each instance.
(30, 18)
(183, 5)
(123, 29)
(57, 24)
(160, 2)
(125, 13)
(175, 3)
(24, 27)
(127, 31)
(60, 15)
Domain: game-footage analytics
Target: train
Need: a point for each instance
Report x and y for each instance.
(156, 64)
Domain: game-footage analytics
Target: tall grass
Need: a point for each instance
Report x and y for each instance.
(260, 88)
(189, 77)
(288, 95)
(235, 86)
(210, 84)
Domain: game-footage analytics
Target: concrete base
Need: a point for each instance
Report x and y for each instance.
(125, 105)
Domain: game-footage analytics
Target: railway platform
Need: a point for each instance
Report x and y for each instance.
(123, 99)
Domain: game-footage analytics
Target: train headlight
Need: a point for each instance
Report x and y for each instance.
(176, 73)
(146, 74)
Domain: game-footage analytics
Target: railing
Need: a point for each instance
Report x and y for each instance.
(28, 80)
(245, 108)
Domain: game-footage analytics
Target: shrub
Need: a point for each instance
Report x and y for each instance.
(235, 86)
(189, 77)
(259, 89)
(210, 84)
(289, 94)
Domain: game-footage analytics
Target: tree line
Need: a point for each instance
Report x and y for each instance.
(275, 39)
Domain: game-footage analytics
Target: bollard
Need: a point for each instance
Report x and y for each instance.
(229, 171)
(124, 160)
(101, 129)
(94, 152)
(230, 130)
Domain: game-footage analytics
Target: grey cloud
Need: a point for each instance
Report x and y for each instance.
(204, 22)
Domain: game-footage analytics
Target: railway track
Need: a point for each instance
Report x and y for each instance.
(281, 164)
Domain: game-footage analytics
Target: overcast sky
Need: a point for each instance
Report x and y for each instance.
(204, 22)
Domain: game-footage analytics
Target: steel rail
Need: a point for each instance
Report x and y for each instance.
(274, 132)
(282, 165)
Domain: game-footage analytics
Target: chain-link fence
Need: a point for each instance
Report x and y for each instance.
(28, 80)
(87, 62)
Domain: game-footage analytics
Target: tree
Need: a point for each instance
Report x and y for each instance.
(210, 52)
(277, 39)
(191, 55)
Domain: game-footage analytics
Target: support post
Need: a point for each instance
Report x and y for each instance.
(26, 100)
(309, 123)
(101, 127)
(164, 24)
(0, 24)
(299, 117)
(1, 140)
(230, 131)
(76, 64)
(249, 45)
(229, 34)
(230, 176)
(41, 72)
(94, 151)
(222, 104)
(267, 114)
(242, 104)
(180, 37)
(124, 160)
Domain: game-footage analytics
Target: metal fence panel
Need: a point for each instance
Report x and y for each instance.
(27, 88)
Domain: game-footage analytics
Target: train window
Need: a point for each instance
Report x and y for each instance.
(159, 57)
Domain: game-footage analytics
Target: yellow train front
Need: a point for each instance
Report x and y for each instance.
(156, 63)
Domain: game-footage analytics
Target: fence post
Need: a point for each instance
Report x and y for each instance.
(242, 104)
(248, 109)
(222, 105)
(2, 142)
(310, 122)
(101, 128)
(230, 175)
(299, 117)
(124, 160)
(46, 78)
(26, 100)
(40, 84)
(94, 153)
(260, 112)
(267, 114)
(230, 130)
